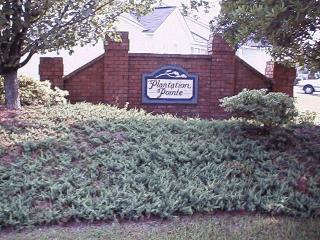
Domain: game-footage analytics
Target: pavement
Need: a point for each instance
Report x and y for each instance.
(307, 102)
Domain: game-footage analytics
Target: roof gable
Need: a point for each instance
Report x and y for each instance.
(199, 30)
(152, 21)
(130, 18)
(199, 38)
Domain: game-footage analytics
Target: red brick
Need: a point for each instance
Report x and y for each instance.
(115, 78)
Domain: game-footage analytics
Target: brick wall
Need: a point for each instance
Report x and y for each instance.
(248, 77)
(116, 77)
(147, 63)
(282, 77)
(87, 83)
(116, 71)
(52, 69)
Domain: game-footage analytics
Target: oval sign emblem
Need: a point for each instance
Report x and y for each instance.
(170, 85)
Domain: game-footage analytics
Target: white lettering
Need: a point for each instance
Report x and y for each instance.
(170, 88)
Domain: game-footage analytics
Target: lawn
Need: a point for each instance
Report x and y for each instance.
(88, 162)
(208, 227)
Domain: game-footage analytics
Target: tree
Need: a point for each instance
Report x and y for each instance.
(39, 26)
(290, 27)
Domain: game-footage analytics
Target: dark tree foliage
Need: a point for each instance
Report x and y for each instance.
(38, 26)
(290, 27)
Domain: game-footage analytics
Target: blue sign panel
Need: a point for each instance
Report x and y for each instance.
(170, 85)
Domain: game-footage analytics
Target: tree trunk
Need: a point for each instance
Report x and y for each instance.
(11, 86)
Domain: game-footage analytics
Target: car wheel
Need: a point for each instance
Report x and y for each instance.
(308, 89)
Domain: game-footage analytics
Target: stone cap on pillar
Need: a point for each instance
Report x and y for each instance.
(269, 69)
(274, 69)
(116, 44)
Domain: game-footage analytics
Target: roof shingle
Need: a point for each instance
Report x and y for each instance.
(152, 21)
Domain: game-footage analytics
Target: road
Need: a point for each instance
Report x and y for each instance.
(308, 102)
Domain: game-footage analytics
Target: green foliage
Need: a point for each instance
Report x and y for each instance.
(29, 27)
(269, 109)
(306, 117)
(290, 26)
(35, 92)
(96, 162)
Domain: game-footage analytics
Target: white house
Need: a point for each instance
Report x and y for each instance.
(254, 54)
(165, 30)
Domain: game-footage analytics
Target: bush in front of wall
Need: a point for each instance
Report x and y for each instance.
(35, 92)
(262, 108)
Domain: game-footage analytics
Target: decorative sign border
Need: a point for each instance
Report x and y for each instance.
(167, 73)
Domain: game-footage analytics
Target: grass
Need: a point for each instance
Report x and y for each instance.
(220, 227)
(88, 162)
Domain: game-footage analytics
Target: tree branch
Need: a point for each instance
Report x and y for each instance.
(24, 62)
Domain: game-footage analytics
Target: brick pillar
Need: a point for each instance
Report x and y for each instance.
(51, 68)
(282, 77)
(223, 72)
(116, 67)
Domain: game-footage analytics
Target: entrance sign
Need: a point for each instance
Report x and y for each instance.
(170, 84)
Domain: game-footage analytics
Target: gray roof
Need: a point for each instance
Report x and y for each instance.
(152, 21)
(199, 38)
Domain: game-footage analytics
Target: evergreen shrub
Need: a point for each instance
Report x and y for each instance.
(35, 92)
(88, 162)
(262, 108)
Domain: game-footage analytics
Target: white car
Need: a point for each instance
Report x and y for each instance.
(310, 85)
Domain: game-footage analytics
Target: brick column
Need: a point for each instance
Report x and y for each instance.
(116, 67)
(223, 72)
(51, 68)
(282, 77)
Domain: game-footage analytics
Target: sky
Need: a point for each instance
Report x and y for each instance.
(77, 59)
